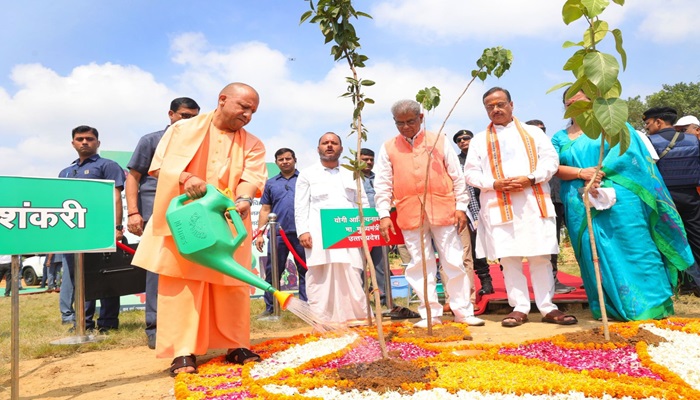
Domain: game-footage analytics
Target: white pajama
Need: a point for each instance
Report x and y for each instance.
(454, 278)
(542, 283)
(335, 291)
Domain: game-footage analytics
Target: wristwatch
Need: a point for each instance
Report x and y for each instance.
(531, 177)
(120, 227)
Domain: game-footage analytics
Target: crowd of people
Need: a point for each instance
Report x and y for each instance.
(503, 197)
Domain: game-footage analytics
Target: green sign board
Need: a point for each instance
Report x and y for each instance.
(54, 215)
(340, 228)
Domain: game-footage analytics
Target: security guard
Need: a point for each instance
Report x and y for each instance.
(679, 164)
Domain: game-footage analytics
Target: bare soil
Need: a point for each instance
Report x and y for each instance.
(135, 373)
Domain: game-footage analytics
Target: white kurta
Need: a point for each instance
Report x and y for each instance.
(446, 240)
(333, 280)
(528, 234)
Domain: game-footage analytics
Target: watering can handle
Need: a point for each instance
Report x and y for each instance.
(241, 232)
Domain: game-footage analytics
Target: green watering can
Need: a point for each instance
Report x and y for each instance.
(202, 235)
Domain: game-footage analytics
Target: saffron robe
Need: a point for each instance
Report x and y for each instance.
(189, 320)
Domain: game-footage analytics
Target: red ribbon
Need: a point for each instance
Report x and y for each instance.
(126, 248)
(291, 248)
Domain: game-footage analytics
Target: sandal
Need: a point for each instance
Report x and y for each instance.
(516, 318)
(403, 313)
(559, 318)
(242, 356)
(183, 362)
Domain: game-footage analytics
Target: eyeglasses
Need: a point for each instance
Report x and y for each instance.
(463, 139)
(185, 115)
(501, 104)
(409, 122)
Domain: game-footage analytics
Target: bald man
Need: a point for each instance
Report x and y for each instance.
(199, 308)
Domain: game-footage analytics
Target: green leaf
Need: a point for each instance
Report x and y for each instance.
(611, 114)
(577, 108)
(625, 140)
(575, 87)
(369, 101)
(305, 16)
(482, 75)
(589, 125)
(569, 43)
(367, 82)
(618, 46)
(571, 11)
(601, 69)
(362, 14)
(575, 61)
(429, 98)
(615, 91)
(593, 8)
(558, 86)
(600, 29)
(619, 2)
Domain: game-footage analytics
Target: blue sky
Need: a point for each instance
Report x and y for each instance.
(117, 67)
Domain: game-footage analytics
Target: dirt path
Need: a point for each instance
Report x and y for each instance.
(135, 373)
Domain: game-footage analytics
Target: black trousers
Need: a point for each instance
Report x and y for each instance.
(687, 202)
(559, 210)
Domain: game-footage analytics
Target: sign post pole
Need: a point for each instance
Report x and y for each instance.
(14, 336)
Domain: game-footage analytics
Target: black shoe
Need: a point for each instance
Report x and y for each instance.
(265, 313)
(152, 341)
(561, 288)
(105, 329)
(486, 288)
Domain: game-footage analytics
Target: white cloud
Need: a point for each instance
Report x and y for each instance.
(457, 20)
(125, 102)
(122, 102)
(668, 21)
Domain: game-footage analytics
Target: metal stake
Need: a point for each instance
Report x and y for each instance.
(387, 279)
(14, 336)
(272, 222)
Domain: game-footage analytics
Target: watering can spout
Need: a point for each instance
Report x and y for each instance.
(203, 235)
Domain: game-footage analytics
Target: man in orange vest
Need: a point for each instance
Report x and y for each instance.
(404, 164)
(512, 164)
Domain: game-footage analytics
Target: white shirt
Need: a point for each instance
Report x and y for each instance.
(319, 188)
(384, 178)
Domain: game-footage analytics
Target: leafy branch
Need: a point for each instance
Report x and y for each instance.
(494, 61)
(604, 114)
(334, 19)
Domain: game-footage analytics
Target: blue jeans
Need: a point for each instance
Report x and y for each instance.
(151, 302)
(66, 297)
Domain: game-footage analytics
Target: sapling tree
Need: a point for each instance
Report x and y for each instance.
(604, 114)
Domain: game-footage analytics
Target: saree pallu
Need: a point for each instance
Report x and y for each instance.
(641, 241)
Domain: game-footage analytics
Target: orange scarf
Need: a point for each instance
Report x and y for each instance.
(494, 152)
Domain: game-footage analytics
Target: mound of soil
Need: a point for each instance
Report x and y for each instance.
(596, 336)
(384, 375)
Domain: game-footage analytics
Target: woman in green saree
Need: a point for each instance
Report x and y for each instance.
(640, 240)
